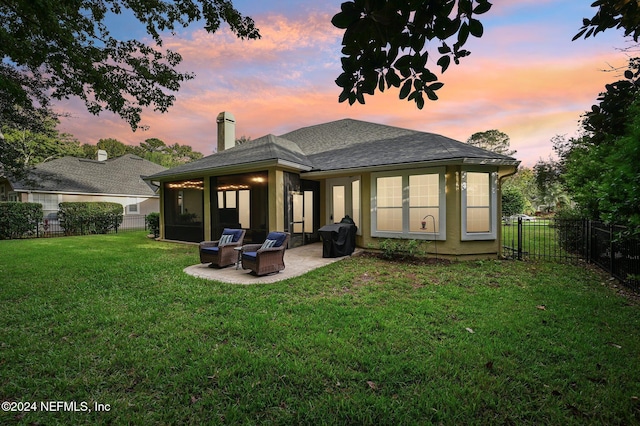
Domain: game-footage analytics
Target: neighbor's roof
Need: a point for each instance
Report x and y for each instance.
(345, 144)
(116, 176)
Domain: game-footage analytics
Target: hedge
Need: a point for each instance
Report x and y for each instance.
(19, 219)
(153, 223)
(89, 217)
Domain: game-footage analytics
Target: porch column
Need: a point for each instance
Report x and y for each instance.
(206, 220)
(276, 200)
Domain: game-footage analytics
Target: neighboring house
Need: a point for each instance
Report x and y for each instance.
(118, 180)
(393, 182)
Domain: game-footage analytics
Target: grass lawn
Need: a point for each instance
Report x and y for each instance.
(113, 320)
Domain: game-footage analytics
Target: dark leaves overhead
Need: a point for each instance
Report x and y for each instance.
(623, 14)
(386, 44)
(55, 49)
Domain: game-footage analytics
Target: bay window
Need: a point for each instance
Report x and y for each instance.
(409, 204)
(479, 204)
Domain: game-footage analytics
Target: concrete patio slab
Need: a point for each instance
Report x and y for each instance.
(297, 261)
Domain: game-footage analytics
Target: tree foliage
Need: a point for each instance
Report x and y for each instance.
(513, 201)
(524, 181)
(602, 168)
(56, 49)
(621, 14)
(23, 148)
(492, 140)
(390, 44)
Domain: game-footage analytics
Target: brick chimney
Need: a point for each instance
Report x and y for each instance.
(226, 131)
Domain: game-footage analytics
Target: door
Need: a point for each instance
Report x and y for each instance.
(344, 199)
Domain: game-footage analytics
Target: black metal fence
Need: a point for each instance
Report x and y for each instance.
(572, 241)
(52, 228)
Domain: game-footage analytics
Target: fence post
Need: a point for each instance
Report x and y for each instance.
(519, 238)
(587, 243)
(612, 255)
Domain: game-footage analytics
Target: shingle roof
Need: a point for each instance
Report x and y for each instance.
(266, 148)
(345, 144)
(122, 175)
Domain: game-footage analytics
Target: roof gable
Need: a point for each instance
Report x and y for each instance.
(266, 148)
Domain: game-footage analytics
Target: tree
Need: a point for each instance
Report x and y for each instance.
(153, 145)
(524, 181)
(21, 148)
(389, 44)
(492, 140)
(243, 139)
(181, 154)
(55, 49)
(602, 170)
(513, 201)
(89, 151)
(114, 147)
(612, 14)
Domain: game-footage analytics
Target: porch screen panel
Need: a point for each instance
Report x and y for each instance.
(308, 211)
(244, 208)
(298, 209)
(389, 203)
(478, 202)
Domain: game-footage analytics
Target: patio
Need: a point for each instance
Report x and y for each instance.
(298, 261)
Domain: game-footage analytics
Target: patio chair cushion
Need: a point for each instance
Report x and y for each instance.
(209, 249)
(225, 239)
(278, 237)
(235, 232)
(268, 244)
(250, 254)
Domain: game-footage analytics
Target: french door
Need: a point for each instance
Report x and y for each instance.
(344, 199)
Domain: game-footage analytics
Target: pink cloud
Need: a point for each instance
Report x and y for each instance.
(285, 81)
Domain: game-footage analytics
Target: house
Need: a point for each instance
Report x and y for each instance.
(393, 182)
(118, 180)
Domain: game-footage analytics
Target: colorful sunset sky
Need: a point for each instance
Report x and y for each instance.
(525, 77)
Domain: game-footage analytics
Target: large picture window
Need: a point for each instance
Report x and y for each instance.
(409, 204)
(479, 204)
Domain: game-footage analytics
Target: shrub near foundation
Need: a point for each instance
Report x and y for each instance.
(89, 217)
(19, 219)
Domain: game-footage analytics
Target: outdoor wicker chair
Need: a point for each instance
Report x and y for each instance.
(221, 253)
(268, 257)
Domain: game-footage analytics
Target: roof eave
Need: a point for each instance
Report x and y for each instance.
(414, 165)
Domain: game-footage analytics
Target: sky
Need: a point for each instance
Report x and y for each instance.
(524, 77)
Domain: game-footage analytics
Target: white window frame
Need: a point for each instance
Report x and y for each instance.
(131, 211)
(440, 235)
(493, 206)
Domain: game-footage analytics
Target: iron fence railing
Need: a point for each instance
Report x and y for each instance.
(52, 228)
(573, 241)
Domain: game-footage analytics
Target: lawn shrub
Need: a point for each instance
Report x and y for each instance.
(570, 230)
(153, 223)
(402, 249)
(89, 217)
(19, 219)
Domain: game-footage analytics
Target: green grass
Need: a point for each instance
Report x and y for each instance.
(114, 320)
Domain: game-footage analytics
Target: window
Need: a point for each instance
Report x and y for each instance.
(345, 199)
(479, 203)
(132, 209)
(49, 201)
(409, 204)
(49, 204)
